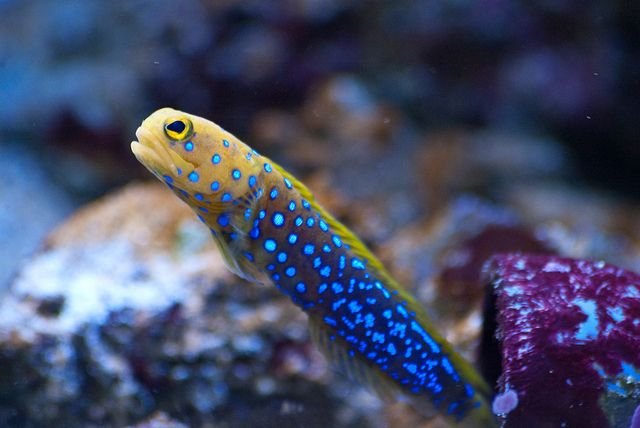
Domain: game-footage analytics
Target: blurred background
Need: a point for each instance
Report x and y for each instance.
(315, 84)
(440, 131)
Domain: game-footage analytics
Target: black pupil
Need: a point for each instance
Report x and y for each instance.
(176, 126)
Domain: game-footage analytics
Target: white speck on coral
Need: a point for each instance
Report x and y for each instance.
(512, 290)
(616, 313)
(505, 402)
(632, 291)
(588, 329)
(554, 266)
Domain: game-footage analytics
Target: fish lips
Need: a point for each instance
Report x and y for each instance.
(154, 153)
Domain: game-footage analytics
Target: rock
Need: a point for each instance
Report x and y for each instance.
(159, 420)
(569, 331)
(129, 310)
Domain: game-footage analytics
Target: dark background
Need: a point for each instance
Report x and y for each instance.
(77, 77)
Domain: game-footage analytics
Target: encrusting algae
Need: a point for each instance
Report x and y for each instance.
(270, 229)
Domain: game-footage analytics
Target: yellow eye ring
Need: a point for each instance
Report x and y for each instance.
(178, 129)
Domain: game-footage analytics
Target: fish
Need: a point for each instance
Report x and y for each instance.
(270, 229)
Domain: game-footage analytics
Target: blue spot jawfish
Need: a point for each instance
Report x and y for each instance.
(357, 311)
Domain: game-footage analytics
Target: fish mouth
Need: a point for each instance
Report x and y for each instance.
(153, 153)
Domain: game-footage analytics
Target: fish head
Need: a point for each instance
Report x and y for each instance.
(195, 156)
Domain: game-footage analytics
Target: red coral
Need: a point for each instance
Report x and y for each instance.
(568, 328)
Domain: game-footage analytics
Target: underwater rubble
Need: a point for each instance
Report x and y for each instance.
(126, 313)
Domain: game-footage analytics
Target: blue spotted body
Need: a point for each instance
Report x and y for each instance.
(270, 229)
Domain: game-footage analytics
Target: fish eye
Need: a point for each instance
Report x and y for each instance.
(178, 129)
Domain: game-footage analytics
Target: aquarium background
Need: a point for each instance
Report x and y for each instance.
(389, 110)
(77, 77)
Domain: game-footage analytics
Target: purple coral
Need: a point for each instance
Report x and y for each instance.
(570, 337)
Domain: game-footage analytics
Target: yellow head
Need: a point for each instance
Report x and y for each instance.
(196, 157)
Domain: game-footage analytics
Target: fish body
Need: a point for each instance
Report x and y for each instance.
(270, 229)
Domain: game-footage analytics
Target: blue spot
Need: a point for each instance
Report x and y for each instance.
(193, 176)
(369, 320)
(290, 272)
(226, 197)
(271, 267)
(188, 146)
(341, 262)
(323, 225)
(402, 311)
(236, 174)
(435, 348)
(330, 321)
(179, 171)
(337, 287)
(387, 313)
(336, 241)
(301, 287)
(282, 257)
(277, 219)
(322, 288)
(254, 233)
(270, 245)
(326, 248)
(378, 337)
(276, 277)
(274, 193)
(267, 167)
(469, 390)
(248, 155)
(309, 249)
(199, 196)
(262, 214)
(252, 180)
(249, 256)
(310, 222)
(223, 219)
(215, 159)
(203, 209)
(325, 271)
(354, 306)
(447, 365)
(317, 262)
(391, 349)
(336, 306)
(357, 264)
(287, 183)
(247, 214)
(293, 238)
(299, 221)
(292, 206)
(215, 186)
(225, 143)
(306, 204)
